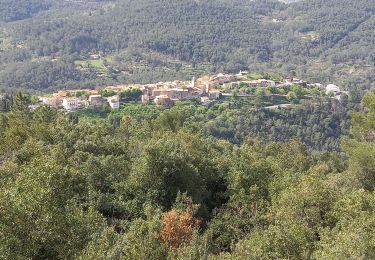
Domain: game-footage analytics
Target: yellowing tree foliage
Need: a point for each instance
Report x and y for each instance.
(178, 228)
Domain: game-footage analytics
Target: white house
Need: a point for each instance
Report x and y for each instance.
(70, 103)
(333, 88)
(114, 102)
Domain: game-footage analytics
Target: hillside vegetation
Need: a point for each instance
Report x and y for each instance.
(21, 9)
(143, 41)
(145, 183)
(12, 10)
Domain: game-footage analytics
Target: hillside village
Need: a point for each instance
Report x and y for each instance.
(207, 89)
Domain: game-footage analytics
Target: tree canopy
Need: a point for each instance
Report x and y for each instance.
(153, 187)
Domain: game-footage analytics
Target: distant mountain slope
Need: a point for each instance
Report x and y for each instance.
(328, 39)
(12, 10)
(149, 40)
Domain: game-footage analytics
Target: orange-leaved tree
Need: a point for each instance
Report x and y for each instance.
(178, 228)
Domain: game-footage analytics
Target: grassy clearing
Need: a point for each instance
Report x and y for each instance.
(91, 114)
(97, 65)
(310, 36)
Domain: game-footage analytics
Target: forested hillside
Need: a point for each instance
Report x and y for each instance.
(148, 185)
(144, 41)
(21, 9)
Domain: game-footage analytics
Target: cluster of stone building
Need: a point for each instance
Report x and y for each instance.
(233, 81)
(69, 101)
(167, 93)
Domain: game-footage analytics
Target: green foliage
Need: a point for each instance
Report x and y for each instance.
(21, 104)
(39, 208)
(12, 11)
(255, 76)
(298, 91)
(141, 241)
(170, 164)
(256, 173)
(131, 95)
(97, 189)
(319, 125)
(138, 111)
(242, 85)
(361, 147)
(107, 93)
(353, 236)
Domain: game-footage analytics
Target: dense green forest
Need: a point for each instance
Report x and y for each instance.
(319, 126)
(50, 46)
(21, 9)
(146, 182)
